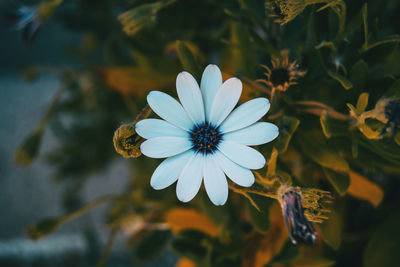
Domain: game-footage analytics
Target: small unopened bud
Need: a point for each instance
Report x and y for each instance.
(127, 141)
(29, 149)
(298, 226)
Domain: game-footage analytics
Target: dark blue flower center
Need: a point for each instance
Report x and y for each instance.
(205, 138)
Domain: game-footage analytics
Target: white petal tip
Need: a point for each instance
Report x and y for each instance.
(183, 199)
(183, 74)
(219, 203)
(155, 186)
(259, 164)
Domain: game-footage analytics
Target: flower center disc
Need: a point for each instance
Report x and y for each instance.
(279, 76)
(205, 138)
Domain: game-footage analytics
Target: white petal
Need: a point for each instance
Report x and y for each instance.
(169, 109)
(254, 135)
(169, 170)
(215, 181)
(151, 128)
(238, 174)
(211, 81)
(189, 181)
(246, 114)
(190, 96)
(243, 155)
(225, 100)
(163, 147)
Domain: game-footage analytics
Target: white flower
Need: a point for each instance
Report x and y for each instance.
(202, 138)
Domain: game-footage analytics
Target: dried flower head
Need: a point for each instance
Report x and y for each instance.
(287, 10)
(25, 19)
(283, 73)
(299, 209)
(30, 19)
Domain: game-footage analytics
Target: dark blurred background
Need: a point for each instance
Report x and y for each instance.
(28, 194)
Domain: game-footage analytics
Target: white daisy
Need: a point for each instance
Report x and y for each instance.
(201, 138)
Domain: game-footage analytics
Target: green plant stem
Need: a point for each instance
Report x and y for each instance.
(88, 207)
(104, 256)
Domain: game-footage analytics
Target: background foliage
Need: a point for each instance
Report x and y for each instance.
(332, 123)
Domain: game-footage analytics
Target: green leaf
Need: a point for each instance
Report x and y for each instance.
(241, 41)
(272, 162)
(323, 119)
(136, 18)
(330, 45)
(260, 219)
(359, 74)
(286, 130)
(286, 255)
(192, 244)
(383, 247)
(317, 149)
(362, 102)
(152, 245)
(394, 90)
(42, 228)
(339, 181)
(331, 230)
(341, 79)
(188, 59)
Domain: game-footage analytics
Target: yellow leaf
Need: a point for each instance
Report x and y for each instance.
(185, 262)
(361, 187)
(362, 102)
(135, 81)
(260, 249)
(180, 218)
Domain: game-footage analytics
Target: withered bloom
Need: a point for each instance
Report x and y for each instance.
(298, 226)
(25, 19)
(392, 114)
(283, 73)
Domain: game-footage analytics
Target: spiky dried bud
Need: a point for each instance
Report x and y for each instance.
(298, 210)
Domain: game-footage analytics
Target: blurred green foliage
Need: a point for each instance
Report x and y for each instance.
(332, 124)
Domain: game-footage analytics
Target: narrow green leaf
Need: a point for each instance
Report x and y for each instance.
(341, 79)
(136, 18)
(383, 247)
(286, 130)
(260, 219)
(359, 74)
(192, 244)
(188, 60)
(324, 124)
(331, 230)
(152, 245)
(272, 162)
(286, 255)
(317, 149)
(330, 45)
(339, 181)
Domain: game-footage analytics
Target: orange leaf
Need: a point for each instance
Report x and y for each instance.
(361, 187)
(135, 81)
(260, 249)
(181, 218)
(185, 262)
